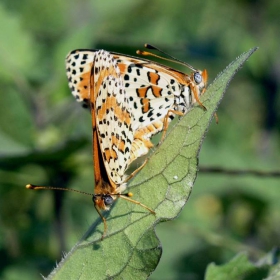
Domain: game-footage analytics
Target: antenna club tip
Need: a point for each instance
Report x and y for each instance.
(130, 194)
(148, 46)
(139, 52)
(30, 187)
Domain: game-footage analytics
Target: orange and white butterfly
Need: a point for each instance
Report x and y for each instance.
(128, 110)
(155, 92)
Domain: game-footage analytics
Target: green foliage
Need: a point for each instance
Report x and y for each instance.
(45, 137)
(240, 268)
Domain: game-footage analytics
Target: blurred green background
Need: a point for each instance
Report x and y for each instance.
(45, 136)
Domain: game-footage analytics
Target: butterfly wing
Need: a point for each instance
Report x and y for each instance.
(113, 117)
(95, 80)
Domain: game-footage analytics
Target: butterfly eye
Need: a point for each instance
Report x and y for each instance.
(197, 77)
(108, 200)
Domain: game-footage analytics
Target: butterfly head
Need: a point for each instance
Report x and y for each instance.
(103, 201)
(198, 82)
(199, 79)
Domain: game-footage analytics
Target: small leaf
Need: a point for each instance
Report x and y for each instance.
(240, 268)
(131, 249)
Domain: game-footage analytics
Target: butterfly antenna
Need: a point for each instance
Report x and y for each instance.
(35, 187)
(172, 59)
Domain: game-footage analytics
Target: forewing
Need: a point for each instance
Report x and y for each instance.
(113, 116)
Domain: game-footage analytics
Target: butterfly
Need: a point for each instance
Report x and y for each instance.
(130, 100)
(155, 92)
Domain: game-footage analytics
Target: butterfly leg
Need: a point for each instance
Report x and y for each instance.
(196, 96)
(104, 222)
(127, 197)
(165, 122)
(216, 118)
(136, 170)
(200, 103)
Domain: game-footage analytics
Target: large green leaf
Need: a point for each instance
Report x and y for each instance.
(131, 249)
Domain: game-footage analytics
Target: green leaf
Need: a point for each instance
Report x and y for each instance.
(131, 249)
(240, 268)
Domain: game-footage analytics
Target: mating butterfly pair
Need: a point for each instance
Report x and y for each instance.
(130, 100)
